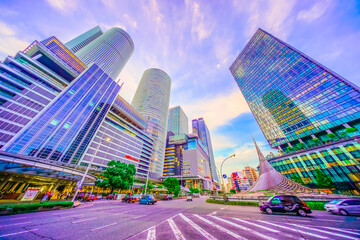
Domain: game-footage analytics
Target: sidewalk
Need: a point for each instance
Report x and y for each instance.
(10, 201)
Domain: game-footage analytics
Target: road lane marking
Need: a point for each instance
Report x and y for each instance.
(14, 224)
(220, 228)
(296, 230)
(342, 230)
(199, 229)
(176, 231)
(140, 216)
(257, 225)
(112, 224)
(9, 219)
(10, 234)
(84, 220)
(213, 213)
(151, 234)
(244, 228)
(76, 215)
(323, 231)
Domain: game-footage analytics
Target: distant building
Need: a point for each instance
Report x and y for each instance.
(239, 181)
(187, 160)
(250, 174)
(151, 100)
(84, 39)
(199, 127)
(178, 122)
(305, 110)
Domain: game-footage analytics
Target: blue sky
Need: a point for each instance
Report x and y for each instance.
(195, 42)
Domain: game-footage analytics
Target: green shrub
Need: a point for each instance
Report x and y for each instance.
(351, 129)
(22, 208)
(238, 203)
(316, 205)
(25, 207)
(57, 204)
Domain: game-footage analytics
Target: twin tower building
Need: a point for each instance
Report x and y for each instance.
(60, 110)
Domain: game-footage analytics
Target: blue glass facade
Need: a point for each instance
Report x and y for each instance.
(199, 127)
(177, 121)
(305, 110)
(63, 130)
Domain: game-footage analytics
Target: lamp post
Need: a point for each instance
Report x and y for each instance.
(88, 167)
(233, 155)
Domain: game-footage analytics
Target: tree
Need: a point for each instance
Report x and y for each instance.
(232, 191)
(117, 175)
(172, 185)
(194, 190)
(150, 187)
(297, 179)
(323, 180)
(160, 186)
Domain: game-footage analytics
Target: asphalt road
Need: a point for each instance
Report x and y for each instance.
(176, 219)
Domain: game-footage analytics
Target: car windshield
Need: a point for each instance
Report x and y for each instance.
(335, 201)
(145, 197)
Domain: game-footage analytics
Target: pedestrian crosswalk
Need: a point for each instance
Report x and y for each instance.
(193, 226)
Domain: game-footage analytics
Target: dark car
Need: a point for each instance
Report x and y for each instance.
(110, 197)
(129, 199)
(284, 204)
(167, 198)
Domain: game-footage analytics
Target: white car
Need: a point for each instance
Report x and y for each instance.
(344, 206)
(99, 196)
(188, 198)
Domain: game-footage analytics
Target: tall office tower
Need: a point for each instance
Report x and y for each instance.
(304, 109)
(57, 110)
(250, 174)
(110, 51)
(178, 122)
(187, 160)
(84, 39)
(31, 80)
(151, 100)
(199, 127)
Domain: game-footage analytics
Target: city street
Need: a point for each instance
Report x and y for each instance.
(176, 219)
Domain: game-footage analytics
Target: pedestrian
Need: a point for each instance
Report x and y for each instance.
(44, 198)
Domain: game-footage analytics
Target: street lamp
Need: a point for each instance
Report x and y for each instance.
(233, 155)
(88, 167)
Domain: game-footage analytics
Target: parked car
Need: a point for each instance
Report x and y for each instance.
(196, 195)
(147, 200)
(189, 198)
(344, 206)
(99, 197)
(129, 199)
(285, 204)
(110, 197)
(91, 197)
(168, 198)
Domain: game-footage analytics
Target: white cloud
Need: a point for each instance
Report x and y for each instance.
(217, 110)
(9, 43)
(64, 6)
(274, 16)
(317, 10)
(200, 27)
(220, 142)
(131, 21)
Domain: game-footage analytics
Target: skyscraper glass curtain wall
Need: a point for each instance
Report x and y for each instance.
(151, 100)
(178, 122)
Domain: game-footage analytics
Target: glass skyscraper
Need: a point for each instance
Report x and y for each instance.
(304, 109)
(110, 51)
(199, 127)
(57, 108)
(178, 122)
(151, 100)
(84, 39)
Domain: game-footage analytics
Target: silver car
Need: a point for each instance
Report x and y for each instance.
(344, 207)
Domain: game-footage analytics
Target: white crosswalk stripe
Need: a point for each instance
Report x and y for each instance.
(220, 228)
(199, 229)
(323, 231)
(176, 231)
(295, 230)
(184, 226)
(245, 229)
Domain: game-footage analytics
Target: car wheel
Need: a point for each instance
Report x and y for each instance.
(343, 212)
(268, 210)
(152, 203)
(302, 213)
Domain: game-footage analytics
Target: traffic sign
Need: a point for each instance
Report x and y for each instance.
(224, 176)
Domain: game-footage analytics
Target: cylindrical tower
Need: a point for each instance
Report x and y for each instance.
(152, 101)
(110, 51)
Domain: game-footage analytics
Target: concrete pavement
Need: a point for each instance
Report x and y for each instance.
(176, 219)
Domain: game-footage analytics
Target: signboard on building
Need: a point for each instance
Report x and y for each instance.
(30, 194)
